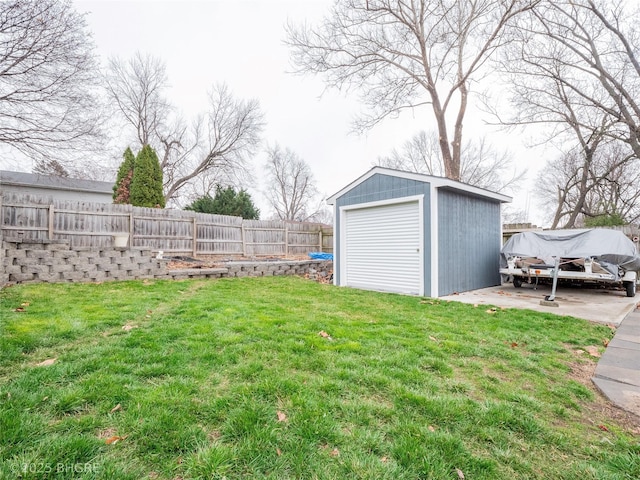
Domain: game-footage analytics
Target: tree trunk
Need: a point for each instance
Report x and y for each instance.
(443, 140)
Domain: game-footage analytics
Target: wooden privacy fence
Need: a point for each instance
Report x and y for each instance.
(172, 231)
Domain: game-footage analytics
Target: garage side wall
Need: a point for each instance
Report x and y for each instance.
(384, 187)
(468, 242)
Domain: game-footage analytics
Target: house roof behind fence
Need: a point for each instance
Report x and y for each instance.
(54, 182)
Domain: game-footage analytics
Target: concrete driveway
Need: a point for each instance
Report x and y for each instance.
(608, 306)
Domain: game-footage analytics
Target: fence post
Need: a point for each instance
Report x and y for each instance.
(51, 214)
(320, 249)
(195, 237)
(244, 240)
(131, 224)
(286, 238)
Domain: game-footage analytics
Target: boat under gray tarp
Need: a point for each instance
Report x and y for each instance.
(597, 254)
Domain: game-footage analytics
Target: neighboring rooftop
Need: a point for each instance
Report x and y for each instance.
(53, 182)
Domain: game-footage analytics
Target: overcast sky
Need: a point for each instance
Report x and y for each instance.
(240, 43)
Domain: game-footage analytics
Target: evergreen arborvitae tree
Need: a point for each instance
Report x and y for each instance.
(146, 183)
(227, 202)
(122, 188)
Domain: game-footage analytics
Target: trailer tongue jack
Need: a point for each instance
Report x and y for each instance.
(550, 300)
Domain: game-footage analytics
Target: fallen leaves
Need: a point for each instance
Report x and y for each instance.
(592, 350)
(115, 439)
(432, 338)
(128, 327)
(605, 342)
(117, 408)
(22, 308)
(324, 334)
(282, 417)
(460, 474)
(492, 310)
(320, 277)
(109, 436)
(47, 362)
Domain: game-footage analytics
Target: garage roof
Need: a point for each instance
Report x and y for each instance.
(437, 182)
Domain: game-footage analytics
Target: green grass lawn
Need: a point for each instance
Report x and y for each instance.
(286, 378)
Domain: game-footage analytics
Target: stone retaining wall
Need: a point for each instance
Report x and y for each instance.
(49, 261)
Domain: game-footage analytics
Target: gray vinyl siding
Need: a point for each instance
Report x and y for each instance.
(468, 242)
(56, 188)
(59, 194)
(385, 187)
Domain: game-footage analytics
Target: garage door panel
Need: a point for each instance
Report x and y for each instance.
(383, 248)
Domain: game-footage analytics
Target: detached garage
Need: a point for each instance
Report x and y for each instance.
(409, 233)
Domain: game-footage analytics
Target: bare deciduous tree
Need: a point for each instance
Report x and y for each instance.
(403, 55)
(618, 194)
(577, 188)
(574, 70)
(213, 149)
(217, 146)
(480, 164)
(137, 88)
(47, 69)
(50, 167)
(291, 185)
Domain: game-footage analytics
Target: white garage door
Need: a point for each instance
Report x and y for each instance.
(383, 248)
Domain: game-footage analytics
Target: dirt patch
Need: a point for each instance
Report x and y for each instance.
(218, 261)
(601, 410)
(184, 264)
(320, 275)
(582, 371)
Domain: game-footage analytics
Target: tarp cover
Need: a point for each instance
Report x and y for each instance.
(320, 256)
(608, 247)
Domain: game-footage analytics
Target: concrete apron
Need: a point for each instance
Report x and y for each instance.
(594, 304)
(617, 374)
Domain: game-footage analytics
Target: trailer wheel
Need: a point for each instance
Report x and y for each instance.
(517, 282)
(630, 287)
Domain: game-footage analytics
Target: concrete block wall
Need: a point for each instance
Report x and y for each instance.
(27, 260)
(313, 268)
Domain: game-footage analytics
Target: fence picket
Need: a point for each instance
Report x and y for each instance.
(172, 231)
